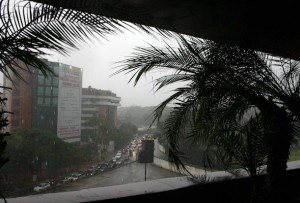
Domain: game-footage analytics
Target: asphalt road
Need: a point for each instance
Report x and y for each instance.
(130, 173)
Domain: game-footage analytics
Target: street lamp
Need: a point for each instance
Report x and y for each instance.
(54, 145)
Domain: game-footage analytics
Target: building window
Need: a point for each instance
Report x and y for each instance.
(88, 112)
(40, 101)
(41, 80)
(88, 106)
(55, 80)
(54, 102)
(40, 91)
(48, 80)
(55, 91)
(55, 69)
(47, 101)
(48, 91)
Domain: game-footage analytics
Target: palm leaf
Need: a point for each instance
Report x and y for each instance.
(228, 96)
(28, 28)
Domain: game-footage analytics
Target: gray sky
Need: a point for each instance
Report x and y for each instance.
(96, 59)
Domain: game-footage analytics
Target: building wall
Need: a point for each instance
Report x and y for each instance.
(100, 103)
(19, 101)
(45, 99)
(35, 103)
(69, 103)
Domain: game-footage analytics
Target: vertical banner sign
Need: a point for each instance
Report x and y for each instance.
(69, 103)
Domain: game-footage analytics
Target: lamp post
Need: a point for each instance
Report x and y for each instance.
(54, 144)
(35, 168)
(95, 142)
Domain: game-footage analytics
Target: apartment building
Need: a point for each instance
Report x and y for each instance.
(100, 103)
(50, 103)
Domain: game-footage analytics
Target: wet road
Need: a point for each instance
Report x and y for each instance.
(134, 172)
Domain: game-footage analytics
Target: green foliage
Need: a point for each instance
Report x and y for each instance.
(3, 134)
(123, 135)
(222, 85)
(295, 155)
(33, 149)
(100, 128)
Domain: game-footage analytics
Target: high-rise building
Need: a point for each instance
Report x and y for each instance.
(50, 103)
(100, 103)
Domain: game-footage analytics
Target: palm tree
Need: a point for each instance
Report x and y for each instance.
(3, 134)
(226, 87)
(28, 30)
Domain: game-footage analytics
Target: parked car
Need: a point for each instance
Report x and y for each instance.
(126, 157)
(118, 155)
(62, 181)
(112, 165)
(74, 177)
(119, 162)
(103, 167)
(83, 174)
(41, 186)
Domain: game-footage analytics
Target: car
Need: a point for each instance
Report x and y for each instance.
(118, 156)
(41, 186)
(62, 181)
(51, 181)
(112, 165)
(119, 162)
(126, 157)
(74, 177)
(83, 174)
(103, 167)
(92, 170)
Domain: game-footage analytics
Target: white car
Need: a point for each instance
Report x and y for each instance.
(74, 177)
(41, 186)
(118, 156)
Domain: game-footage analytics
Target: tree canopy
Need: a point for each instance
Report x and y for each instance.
(33, 150)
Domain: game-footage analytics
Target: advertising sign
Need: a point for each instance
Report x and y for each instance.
(69, 103)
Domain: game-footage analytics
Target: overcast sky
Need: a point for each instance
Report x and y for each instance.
(97, 61)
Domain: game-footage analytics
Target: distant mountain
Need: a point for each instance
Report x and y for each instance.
(139, 116)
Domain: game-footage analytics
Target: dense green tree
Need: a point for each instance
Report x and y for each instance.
(97, 130)
(122, 135)
(33, 150)
(227, 93)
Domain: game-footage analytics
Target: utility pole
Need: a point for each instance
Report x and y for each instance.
(145, 171)
(54, 159)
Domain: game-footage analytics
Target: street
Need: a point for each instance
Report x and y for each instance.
(130, 173)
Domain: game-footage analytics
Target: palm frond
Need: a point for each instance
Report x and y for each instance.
(228, 96)
(28, 29)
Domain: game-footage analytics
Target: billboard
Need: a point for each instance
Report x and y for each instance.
(69, 103)
(147, 152)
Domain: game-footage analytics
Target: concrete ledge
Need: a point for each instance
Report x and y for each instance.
(177, 187)
(105, 193)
